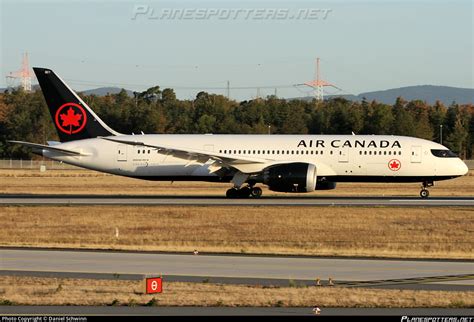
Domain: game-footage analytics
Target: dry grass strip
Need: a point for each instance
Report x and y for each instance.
(55, 291)
(344, 231)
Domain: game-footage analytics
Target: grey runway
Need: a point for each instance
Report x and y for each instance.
(25, 199)
(217, 311)
(226, 266)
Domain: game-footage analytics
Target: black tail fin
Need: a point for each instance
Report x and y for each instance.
(73, 119)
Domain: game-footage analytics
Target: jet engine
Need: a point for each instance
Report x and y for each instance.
(291, 177)
(325, 185)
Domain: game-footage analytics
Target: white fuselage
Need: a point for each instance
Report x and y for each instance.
(336, 157)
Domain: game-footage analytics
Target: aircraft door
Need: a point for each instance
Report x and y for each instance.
(209, 147)
(416, 154)
(121, 153)
(344, 154)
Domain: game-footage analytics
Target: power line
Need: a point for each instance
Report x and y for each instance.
(228, 87)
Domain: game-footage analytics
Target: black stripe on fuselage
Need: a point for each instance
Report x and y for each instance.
(387, 179)
(374, 179)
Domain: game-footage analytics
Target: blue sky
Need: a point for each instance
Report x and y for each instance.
(363, 45)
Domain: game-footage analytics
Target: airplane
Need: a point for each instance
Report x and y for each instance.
(285, 163)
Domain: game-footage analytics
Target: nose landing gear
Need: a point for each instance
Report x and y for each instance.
(424, 193)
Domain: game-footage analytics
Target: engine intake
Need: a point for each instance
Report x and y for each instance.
(291, 177)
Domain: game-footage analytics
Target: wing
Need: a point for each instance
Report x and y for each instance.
(243, 164)
(47, 147)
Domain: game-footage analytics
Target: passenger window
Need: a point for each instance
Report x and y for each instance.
(138, 151)
(365, 152)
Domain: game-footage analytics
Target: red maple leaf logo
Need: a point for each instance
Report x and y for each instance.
(73, 120)
(70, 118)
(394, 165)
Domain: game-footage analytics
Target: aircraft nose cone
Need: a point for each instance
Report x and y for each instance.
(463, 169)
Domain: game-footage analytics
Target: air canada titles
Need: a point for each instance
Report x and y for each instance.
(349, 143)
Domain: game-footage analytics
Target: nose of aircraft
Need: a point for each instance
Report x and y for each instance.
(462, 167)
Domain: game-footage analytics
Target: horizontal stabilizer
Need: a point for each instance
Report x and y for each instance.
(47, 147)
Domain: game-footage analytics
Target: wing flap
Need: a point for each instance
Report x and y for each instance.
(196, 155)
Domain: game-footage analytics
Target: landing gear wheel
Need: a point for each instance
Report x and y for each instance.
(256, 192)
(244, 192)
(424, 193)
(232, 193)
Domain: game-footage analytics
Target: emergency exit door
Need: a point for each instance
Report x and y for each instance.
(121, 152)
(344, 154)
(416, 154)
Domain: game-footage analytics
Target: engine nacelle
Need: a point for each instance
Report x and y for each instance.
(291, 177)
(325, 185)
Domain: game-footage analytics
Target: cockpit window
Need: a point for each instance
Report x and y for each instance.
(443, 153)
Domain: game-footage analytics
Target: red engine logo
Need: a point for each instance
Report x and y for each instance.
(394, 165)
(70, 118)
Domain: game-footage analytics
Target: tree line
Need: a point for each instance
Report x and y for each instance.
(24, 116)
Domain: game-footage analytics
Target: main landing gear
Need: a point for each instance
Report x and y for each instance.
(424, 193)
(245, 192)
